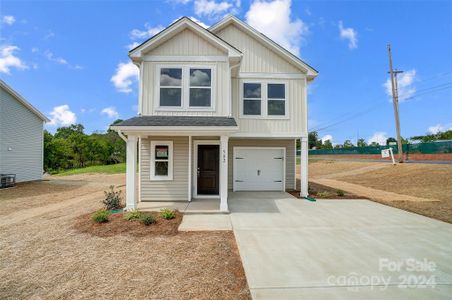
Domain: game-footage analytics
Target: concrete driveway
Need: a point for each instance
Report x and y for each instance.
(339, 249)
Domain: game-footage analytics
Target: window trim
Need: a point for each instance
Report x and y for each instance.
(185, 87)
(264, 99)
(169, 177)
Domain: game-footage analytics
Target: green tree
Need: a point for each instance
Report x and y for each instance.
(361, 143)
(348, 144)
(313, 139)
(327, 145)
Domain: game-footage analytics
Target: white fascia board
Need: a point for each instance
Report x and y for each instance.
(281, 135)
(308, 70)
(177, 27)
(176, 130)
(22, 100)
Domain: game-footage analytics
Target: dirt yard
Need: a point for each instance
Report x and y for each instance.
(44, 256)
(425, 189)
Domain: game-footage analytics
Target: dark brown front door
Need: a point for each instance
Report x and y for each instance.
(208, 169)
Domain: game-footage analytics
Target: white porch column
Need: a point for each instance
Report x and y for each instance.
(224, 173)
(304, 167)
(131, 173)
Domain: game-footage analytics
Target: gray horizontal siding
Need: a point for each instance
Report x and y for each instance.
(290, 156)
(20, 140)
(172, 190)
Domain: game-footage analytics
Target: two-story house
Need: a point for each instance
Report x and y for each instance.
(219, 109)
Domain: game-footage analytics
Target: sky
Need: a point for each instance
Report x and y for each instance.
(69, 58)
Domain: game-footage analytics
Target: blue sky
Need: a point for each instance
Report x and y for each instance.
(69, 58)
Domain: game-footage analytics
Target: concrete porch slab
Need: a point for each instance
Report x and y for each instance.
(203, 206)
(157, 206)
(205, 222)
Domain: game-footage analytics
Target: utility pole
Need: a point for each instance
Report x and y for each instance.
(395, 103)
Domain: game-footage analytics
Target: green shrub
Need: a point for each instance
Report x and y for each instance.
(167, 214)
(147, 219)
(340, 193)
(112, 199)
(100, 216)
(324, 194)
(133, 215)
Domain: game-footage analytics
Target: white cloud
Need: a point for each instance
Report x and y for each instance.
(378, 137)
(132, 45)
(439, 128)
(125, 74)
(8, 20)
(274, 20)
(59, 60)
(62, 116)
(199, 22)
(211, 8)
(110, 112)
(405, 83)
(137, 34)
(9, 60)
(327, 137)
(349, 34)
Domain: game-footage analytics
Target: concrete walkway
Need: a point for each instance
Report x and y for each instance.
(339, 249)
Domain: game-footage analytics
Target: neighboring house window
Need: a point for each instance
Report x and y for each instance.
(264, 99)
(276, 103)
(161, 160)
(200, 87)
(252, 99)
(185, 87)
(171, 87)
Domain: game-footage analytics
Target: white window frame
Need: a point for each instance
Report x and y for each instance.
(185, 94)
(264, 99)
(168, 177)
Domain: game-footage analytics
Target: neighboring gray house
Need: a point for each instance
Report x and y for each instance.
(21, 136)
(219, 109)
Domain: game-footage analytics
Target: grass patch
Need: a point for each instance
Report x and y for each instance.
(104, 169)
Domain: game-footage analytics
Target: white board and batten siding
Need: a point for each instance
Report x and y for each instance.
(191, 47)
(257, 60)
(21, 140)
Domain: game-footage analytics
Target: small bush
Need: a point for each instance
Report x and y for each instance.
(324, 194)
(133, 215)
(100, 216)
(340, 193)
(147, 219)
(167, 214)
(112, 199)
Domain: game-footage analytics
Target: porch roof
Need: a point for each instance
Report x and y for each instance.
(177, 121)
(182, 125)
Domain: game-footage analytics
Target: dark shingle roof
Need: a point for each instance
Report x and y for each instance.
(178, 121)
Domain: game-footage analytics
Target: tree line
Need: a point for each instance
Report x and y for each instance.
(315, 142)
(70, 147)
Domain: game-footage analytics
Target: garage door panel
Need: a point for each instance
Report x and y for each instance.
(258, 169)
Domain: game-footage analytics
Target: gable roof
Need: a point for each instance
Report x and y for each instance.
(179, 26)
(283, 52)
(22, 100)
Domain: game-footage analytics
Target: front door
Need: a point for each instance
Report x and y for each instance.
(208, 169)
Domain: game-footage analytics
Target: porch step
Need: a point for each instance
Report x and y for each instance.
(205, 222)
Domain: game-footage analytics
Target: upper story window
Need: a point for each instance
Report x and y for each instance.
(171, 87)
(185, 87)
(261, 99)
(200, 87)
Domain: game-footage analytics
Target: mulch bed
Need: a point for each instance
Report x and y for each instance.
(319, 191)
(117, 225)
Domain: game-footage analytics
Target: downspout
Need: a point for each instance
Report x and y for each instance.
(230, 86)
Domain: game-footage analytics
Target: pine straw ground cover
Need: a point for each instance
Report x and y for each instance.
(50, 257)
(320, 191)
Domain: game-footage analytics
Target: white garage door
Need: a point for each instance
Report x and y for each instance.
(258, 169)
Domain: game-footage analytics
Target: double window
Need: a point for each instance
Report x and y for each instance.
(264, 99)
(185, 87)
(161, 160)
